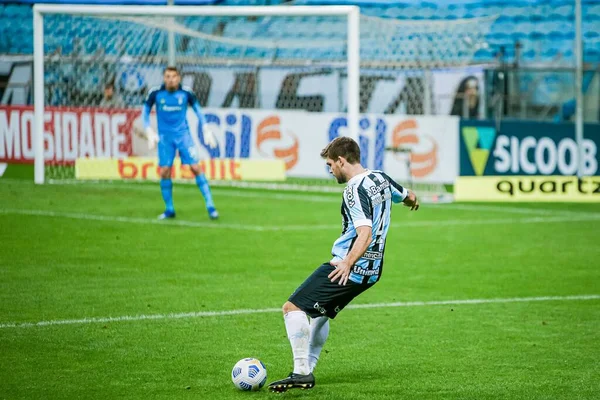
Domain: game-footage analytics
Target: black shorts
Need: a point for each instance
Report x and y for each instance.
(318, 296)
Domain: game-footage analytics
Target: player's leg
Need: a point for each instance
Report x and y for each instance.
(166, 155)
(322, 300)
(310, 299)
(188, 154)
(319, 331)
(202, 184)
(306, 348)
(298, 332)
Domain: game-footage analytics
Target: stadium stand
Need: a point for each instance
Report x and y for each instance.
(544, 29)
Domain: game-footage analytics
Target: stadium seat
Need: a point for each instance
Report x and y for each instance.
(565, 12)
(549, 27)
(593, 55)
(484, 55)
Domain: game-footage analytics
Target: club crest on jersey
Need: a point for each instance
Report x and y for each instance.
(180, 99)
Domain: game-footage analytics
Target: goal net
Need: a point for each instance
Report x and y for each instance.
(276, 84)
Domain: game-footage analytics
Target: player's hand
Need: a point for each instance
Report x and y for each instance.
(341, 272)
(209, 137)
(151, 137)
(411, 201)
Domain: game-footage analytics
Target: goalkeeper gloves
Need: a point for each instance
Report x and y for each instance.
(152, 138)
(209, 137)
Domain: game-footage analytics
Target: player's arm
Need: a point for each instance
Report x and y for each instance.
(360, 208)
(151, 135)
(343, 268)
(401, 194)
(207, 134)
(361, 244)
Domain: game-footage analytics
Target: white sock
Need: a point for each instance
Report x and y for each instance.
(319, 330)
(298, 331)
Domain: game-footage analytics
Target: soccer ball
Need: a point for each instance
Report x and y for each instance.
(249, 374)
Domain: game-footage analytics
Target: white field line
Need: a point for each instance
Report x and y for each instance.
(200, 314)
(275, 228)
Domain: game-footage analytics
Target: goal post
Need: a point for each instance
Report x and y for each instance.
(277, 83)
(40, 11)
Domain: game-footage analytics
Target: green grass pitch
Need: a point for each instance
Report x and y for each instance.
(70, 252)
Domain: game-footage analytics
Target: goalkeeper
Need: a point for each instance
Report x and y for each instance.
(171, 101)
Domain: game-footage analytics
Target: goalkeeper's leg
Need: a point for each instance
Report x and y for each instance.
(205, 190)
(166, 155)
(187, 152)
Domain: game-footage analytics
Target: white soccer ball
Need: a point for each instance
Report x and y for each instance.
(249, 374)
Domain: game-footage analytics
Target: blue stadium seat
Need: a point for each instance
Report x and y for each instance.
(254, 52)
(396, 12)
(565, 12)
(545, 29)
(590, 32)
(238, 30)
(591, 12)
(483, 55)
(475, 10)
(593, 55)
(17, 10)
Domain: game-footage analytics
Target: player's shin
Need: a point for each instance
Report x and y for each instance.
(298, 331)
(319, 330)
(166, 188)
(205, 190)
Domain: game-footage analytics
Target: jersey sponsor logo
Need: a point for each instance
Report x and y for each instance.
(361, 271)
(171, 108)
(372, 255)
(373, 190)
(378, 199)
(375, 193)
(349, 196)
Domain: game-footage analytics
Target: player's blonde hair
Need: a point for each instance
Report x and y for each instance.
(342, 146)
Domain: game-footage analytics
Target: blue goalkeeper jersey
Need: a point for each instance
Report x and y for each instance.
(171, 110)
(367, 201)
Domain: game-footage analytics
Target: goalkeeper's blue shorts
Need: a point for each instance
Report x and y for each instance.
(169, 145)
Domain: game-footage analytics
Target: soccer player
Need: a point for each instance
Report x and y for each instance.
(171, 101)
(357, 260)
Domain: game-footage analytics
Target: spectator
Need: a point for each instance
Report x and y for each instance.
(110, 98)
(466, 100)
